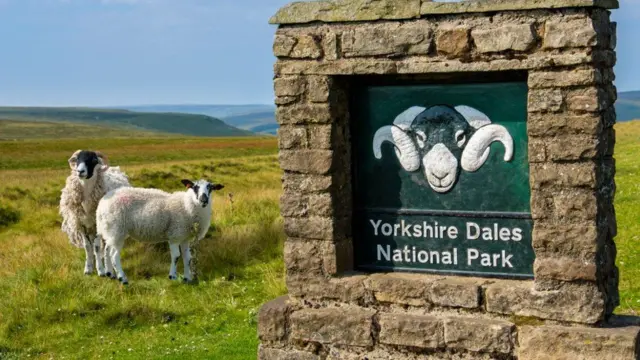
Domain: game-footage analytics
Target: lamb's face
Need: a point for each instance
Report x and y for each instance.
(200, 191)
(85, 163)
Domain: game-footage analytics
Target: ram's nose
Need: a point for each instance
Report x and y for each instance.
(82, 174)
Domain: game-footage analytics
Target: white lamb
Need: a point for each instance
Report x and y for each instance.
(152, 215)
(91, 177)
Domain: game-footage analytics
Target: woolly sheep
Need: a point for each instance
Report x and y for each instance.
(152, 215)
(91, 177)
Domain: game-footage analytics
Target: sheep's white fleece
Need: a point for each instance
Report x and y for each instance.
(151, 215)
(78, 219)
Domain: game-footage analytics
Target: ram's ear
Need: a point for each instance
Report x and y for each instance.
(187, 183)
(73, 159)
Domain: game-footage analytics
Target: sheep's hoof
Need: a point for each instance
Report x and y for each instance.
(186, 281)
(172, 277)
(123, 281)
(87, 272)
(109, 273)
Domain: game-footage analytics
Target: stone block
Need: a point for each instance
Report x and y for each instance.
(306, 161)
(590, 99)
(572, 33)
(388, 40)
(516, 37)
(318, 89)
(411, 330)
(292, 137)
(564, 78)
(272, 319)
(288, 86)
(346, 11)
(453, 41)
(479, 335)
(581, 174)
(579, 241)
(306, 183)
(345, 288)
(286, 100)
(571, 343)
(303, 114)
(573, 147)
(579, 303)
(561, 124)
(408, 289)
(303, 257)
(265, 353)
(306, 47)
(320, 136)
(283, 45)
(330, 46)
(455, 292)
(564, 269)
(338, 326)
(537, 150)
(545, 100)
(338, 67)
(315, 227)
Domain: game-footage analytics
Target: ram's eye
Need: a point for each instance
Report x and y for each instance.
(421, 137)
(460, 138)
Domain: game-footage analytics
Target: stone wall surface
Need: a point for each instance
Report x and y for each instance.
(567, 49)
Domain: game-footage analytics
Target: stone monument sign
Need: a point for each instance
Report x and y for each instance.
(448, 181)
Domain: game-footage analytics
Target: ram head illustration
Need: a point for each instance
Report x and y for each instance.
(442, 140)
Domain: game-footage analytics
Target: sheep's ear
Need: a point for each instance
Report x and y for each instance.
(215, 187)
(73, 159)
(187, 183)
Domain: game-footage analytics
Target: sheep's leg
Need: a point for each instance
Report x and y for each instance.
(97, 244)
(88, 249)
(175, 255)
(108, 263)
(186, 259)
(115, 258)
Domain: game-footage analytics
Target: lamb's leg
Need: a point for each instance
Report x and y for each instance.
(115, 258)
(175, 255)
(108, 263)
(88, 249)
(99, 248)
(186, 259)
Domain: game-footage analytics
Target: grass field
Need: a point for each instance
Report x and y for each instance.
(49, 309)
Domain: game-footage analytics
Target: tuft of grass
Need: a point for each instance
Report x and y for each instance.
(8, 215)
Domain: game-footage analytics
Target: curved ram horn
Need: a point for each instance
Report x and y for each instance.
(477, 150)
(474, 117)
(72, 160)
(405, 147)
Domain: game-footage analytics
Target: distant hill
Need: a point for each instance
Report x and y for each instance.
(628, 106)
(253, 117)
(175, 123)
(22, 129)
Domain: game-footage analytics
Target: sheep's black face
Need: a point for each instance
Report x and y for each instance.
(201, 191)
(86, 162)
(440, 134)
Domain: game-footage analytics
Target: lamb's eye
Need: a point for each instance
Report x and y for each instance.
(421, 137)
(195, 189)
(460, 138)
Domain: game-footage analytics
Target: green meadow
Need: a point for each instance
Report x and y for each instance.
(50, 309)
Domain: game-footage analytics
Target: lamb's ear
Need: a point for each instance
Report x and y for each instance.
(73, 159)
(215, 187)
(187, 183)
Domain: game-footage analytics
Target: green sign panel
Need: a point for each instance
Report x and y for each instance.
(441, 179)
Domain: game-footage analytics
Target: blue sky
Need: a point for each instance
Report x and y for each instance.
(130, 52)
